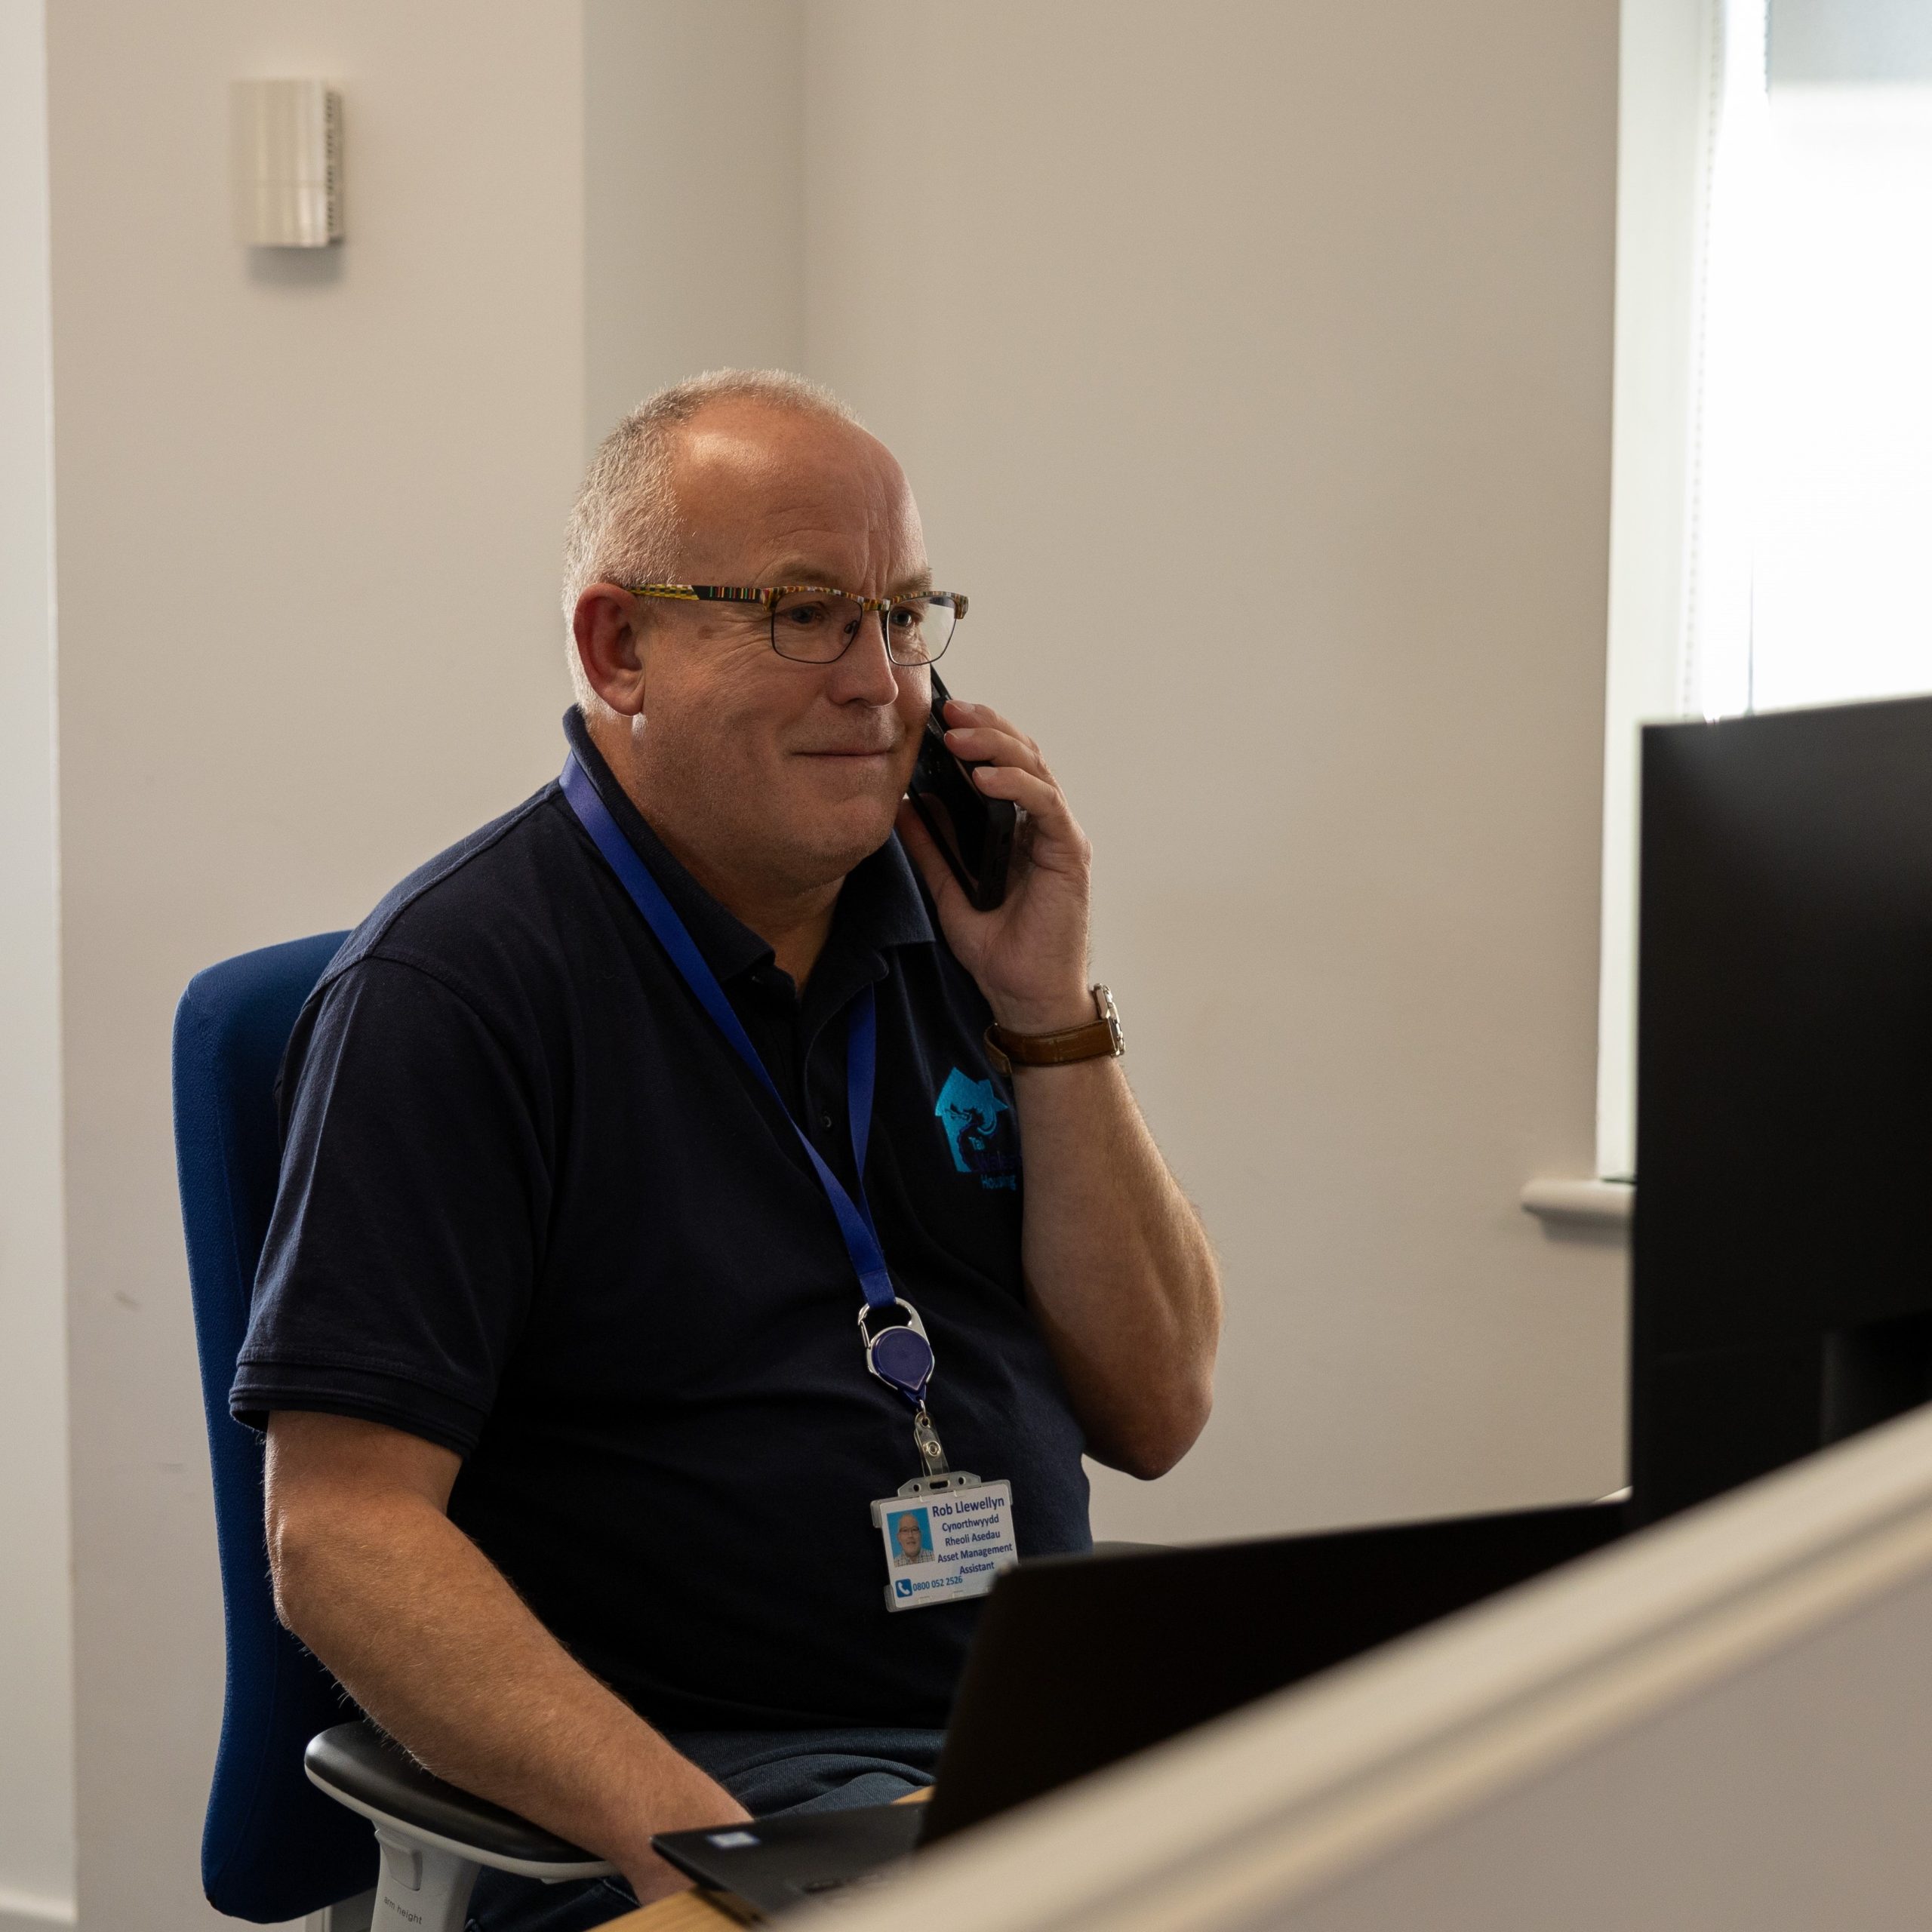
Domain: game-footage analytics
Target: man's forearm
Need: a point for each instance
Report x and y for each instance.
(1123, 1280)
(1121, 1275)
(428, 1637)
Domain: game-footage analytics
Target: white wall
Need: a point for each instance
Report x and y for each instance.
(36, 1662)
(311, 510)
(1255, 381)
(693, 194)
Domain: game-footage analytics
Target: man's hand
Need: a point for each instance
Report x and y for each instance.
(1029, 954)
(428, 1637)
(1118, 1272)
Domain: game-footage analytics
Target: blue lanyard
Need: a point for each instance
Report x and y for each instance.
(893, 1356)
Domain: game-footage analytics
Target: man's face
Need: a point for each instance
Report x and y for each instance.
(909, 1536)
(787, 773)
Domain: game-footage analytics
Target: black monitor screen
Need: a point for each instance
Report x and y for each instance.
(1782, 1257)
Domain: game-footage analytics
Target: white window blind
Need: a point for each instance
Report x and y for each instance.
(1811, 557)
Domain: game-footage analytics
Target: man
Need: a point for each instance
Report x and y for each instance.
(911, 1541)
(571, 1441)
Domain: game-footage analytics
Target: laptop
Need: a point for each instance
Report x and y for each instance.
(1079, 1662)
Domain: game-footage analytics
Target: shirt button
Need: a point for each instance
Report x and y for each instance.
(825, 1121)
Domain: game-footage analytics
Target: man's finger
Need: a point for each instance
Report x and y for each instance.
(1039, 797)
(984, 717)
(987, 744)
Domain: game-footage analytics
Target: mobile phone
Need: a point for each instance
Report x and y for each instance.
(973, 832)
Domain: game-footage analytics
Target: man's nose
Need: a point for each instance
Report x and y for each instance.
(864, 673)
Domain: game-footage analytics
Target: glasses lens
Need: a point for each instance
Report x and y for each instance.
(919, 628)
(816, 626)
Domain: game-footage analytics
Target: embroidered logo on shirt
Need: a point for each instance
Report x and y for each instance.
(978, 1126)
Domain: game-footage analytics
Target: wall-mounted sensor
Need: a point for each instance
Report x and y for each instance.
(288, 142)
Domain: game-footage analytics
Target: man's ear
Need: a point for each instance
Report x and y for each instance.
(605, 625)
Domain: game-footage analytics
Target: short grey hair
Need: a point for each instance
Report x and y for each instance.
(626, 527)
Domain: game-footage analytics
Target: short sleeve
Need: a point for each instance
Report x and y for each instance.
(407, 1232)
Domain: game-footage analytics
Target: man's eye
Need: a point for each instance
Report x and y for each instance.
(804, 616)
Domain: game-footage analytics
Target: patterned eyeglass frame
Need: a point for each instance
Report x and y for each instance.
(729, 593)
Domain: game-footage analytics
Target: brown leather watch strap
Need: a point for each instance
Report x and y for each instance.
(1099, 1038)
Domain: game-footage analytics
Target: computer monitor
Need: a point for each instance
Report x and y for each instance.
(1782, 1249)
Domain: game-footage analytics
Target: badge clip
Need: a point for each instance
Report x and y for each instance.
(925, 1439)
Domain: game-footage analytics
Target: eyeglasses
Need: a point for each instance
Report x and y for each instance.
(811, 624)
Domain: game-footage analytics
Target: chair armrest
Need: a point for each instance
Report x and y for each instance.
(358, 1767)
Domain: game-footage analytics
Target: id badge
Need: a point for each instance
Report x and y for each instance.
(945, 1538)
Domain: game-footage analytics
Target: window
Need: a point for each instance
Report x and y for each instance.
(1772, 540)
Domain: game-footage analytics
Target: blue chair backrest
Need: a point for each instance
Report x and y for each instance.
(273, 1848)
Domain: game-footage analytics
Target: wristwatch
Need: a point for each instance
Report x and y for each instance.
(1099, 1037)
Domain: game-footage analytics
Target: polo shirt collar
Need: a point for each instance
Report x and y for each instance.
(880, 907)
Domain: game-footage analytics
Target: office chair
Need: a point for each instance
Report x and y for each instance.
(283, 1838)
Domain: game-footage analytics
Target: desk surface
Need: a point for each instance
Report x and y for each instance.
(684, 1912)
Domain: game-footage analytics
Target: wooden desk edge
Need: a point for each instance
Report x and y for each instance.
(684, 1912)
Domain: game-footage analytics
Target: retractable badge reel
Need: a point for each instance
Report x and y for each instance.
(901, 1356)
(946, 1533)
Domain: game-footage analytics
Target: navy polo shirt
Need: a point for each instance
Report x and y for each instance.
(534, 1207)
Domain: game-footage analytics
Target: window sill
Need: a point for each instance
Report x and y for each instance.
(1601, 1203)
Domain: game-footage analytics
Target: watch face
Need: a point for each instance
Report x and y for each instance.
(1111, 1014)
